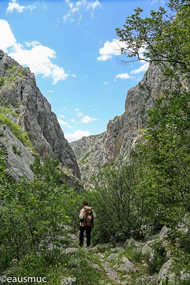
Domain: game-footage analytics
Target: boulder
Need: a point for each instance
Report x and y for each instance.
(127, 266)
(153, 280)
(166, 272)
(71, 250)
(68, 280)
(147, 248)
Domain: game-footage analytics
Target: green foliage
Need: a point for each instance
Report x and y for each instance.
(49, 171)
(166, 157)
(17, 131)
(162, 35)
(85, 156)
(54, 268)
(30, 212)
(1, 80)
(3, 157)
(4, 109)
(16, 151)
(117, 204)
(158, 259)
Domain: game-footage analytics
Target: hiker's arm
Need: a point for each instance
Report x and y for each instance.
(81, 215)
(94, 215)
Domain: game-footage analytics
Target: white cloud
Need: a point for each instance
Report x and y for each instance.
(61, 122)
(123, 76)
(114, 48)
(79, 114)
(32, 44)
(106, 82)
(76, 110)
(110, 48)
(38, 57)
(156, 1)
(77, 135)
(62, 116)
(77, 8)
(14, 6)
(73, 120)
(142, 68)
(6, 36)
(87, 119)
(93, 5)
(50, 91)
(104, 57)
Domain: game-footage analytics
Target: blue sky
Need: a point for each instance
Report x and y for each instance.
(72, 48)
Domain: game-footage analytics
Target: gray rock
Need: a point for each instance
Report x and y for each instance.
(102, 245)
(166, 272)
(123, 132)
(127, 266)
(20, 92)
(68, 281)
(19, 157)
(147, 248)
(163, 238)
(110, 271)
(101, 255)
(164, 233)
(96, 266)
(71, 250)
(147, 280)
(112, 256)
(184, 276)
(184, 225)
(131, 241)
(117, 249)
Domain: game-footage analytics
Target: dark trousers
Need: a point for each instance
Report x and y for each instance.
(81, 238)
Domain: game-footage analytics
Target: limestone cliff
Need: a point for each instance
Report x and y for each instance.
(123, 131)
(19, 93)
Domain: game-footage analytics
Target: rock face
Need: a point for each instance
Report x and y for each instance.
(19, 91)
(123, 131)
(19, 157)
(91, 154)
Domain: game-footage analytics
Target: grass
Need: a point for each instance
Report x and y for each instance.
(55, 265)
(9, 110)
(17, 131)
(84, 157)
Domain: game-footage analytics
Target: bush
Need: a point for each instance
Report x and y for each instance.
(159, 258)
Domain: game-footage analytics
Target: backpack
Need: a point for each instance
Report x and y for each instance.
(88, 217)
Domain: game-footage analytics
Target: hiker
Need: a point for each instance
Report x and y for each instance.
(86, 222)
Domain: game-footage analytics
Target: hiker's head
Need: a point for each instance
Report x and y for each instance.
(85, 203)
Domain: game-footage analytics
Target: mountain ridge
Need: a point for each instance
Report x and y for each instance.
(18, 91)
(124, 131)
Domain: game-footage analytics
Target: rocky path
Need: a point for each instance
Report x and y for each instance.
(128, 263)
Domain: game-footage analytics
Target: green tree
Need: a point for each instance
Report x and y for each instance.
(167, 156)
(164, 36)
(49, 171)
(3, 156)
(119, 210)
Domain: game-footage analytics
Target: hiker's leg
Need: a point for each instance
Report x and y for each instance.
(88, 232)
(81, 237)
